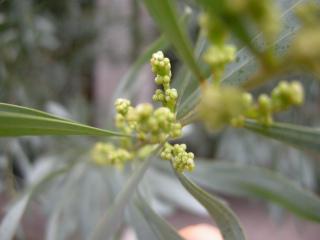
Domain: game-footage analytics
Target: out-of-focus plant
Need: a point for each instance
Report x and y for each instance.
(145, 131)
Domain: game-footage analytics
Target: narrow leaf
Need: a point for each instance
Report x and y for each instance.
(298, 136)
(140, 225)
(112, 219)
(250, 181)
(165, 16)
(158, 225)
(21, 121)
(224, 217)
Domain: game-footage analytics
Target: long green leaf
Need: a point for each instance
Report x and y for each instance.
(219, 211)
(165, 15)
(21, 121)
(111, 221)
(250, 181)
(298, 136)
(158, 225)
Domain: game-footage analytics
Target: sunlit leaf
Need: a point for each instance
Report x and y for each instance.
(21, 121)
(224, 217)
(250, 181)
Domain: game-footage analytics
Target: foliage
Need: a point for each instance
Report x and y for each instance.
(145, 130)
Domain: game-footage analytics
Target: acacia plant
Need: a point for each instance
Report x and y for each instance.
(213, 89)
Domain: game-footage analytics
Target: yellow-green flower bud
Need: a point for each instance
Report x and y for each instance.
(176, 130)
(297, 93)
(107, 154)
(264, 103)
(122, 105)
(218, 56)
(144, 110)
(220, 105)
(181, 160)
(160, 65)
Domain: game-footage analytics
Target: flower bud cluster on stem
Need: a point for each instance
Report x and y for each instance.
(221, 106)
(150, 126)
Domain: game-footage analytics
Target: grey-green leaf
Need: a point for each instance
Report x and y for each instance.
(165, 16)
(158, 225)
(225, 218)
(112, 219)
(250, 181)
(11, 220)
(21, 121)
(298, 136)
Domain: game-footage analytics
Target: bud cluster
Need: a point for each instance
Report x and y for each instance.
(283, 96)
(161, 67)
(218, 54)
(107, 154)
(221, 106)
(180, 158)
(150, 126)
(218, 57)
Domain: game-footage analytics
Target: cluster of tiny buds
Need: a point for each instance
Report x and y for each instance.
(150, 125)
(180, 158)
(283, 96)
(107, 154)
(218, 56)
(161, 67)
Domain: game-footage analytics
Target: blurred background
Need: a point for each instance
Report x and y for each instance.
(68, 58)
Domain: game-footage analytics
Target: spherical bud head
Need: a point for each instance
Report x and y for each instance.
(264, 103)
(219, 105)
(172, 93)
(297, 93)
(122, 105)
(283, 88)
(144, 110)
(132, 117)
(247, 99)
(176, 130)
(159, 79)
(153, 124)
(158, 96)
(119, 120)
(166, 79)
(160, 65)
(217, 56)
(162, 112)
